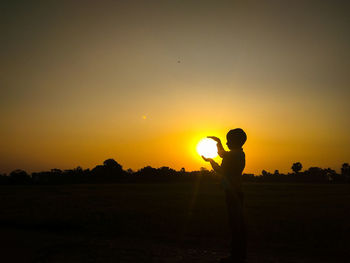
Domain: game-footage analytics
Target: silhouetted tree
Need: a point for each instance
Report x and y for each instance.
(130, 171)
(296, 167)
(108, 172)
(111, 171)
(166, 171)
(146, 171)
(204, 171)
(345, 169)
(78, 169)
(315, 171)
(4, 179)
(19, 177)
(330, 173)
(112, 164)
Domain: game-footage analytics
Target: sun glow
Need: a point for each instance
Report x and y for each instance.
(207, 148)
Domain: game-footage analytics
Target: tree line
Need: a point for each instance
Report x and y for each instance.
(112, 172)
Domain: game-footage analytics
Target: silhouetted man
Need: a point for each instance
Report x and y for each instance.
(233, 163)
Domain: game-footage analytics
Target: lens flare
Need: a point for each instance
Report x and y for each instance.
(207, 148)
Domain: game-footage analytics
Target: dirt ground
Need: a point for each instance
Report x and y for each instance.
(46, 249)
(171, 223)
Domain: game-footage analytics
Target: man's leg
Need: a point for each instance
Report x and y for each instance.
(237, 226)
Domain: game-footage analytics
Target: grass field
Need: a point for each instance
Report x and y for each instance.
(172, 223)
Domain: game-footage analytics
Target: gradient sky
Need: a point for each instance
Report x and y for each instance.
(143, 81)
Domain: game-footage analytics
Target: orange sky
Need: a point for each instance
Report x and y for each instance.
(142, 83)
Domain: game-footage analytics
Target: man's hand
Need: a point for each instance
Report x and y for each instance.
(221, 150)
(214, 138)
(215, 166)
(207, 159)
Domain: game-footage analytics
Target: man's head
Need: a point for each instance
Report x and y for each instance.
(236, 138)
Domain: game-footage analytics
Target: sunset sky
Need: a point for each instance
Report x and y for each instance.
(143, 81)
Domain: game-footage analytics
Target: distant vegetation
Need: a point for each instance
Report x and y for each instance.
(112, 172)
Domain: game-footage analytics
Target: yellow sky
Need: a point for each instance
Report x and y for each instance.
(144, 83)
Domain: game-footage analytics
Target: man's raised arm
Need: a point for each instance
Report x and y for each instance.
(214, 164)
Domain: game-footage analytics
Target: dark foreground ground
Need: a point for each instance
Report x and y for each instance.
(171, 223)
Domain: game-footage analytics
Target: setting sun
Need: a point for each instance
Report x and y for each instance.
(207, 148)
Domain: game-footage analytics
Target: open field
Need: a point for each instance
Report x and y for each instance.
(182, 222)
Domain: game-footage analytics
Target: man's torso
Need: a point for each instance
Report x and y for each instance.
(232, 166)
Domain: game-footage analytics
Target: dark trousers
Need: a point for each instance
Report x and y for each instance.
(234, 202)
